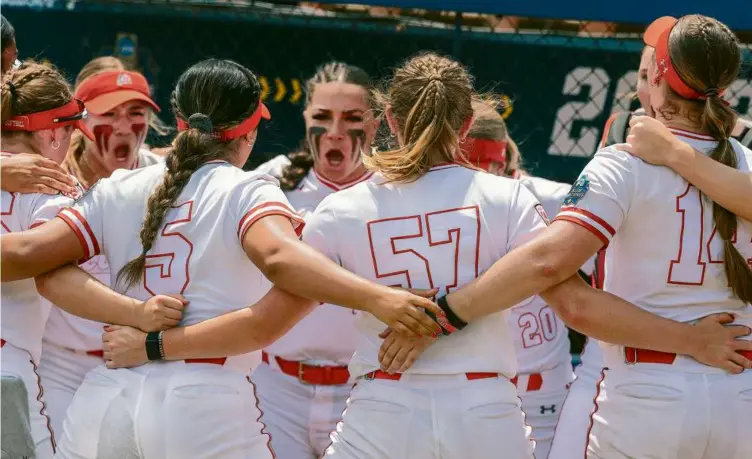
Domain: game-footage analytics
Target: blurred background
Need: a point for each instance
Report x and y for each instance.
(564, 66)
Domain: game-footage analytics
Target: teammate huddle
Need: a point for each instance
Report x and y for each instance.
(445, 369)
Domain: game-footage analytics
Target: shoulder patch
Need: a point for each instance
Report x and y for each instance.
(578, 191)
(542, 212)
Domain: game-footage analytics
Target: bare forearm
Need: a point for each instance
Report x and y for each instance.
(609, 318)
(728, 187)
(238, 332)
(518, 275)
(299, 268)
(77, 292)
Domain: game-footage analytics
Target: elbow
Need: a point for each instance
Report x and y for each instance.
(551, 265)
(14, 251)
(276, 261)
(43, 285)
(570, 303)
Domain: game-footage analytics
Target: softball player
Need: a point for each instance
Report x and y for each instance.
(304, 382)
(38, 114)
(541, 342)
(198, 209)
(669, 252)
(120, 108)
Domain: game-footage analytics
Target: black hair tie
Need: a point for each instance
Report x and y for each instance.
(711, 92)
(201, 122)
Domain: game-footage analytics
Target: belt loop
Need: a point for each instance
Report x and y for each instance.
(301, 373)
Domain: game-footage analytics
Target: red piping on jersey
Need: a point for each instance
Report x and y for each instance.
(261, 416)
(595, 409)
(691, 135)
(592, 216)
(342, 186)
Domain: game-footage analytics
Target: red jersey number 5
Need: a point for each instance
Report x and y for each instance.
(166, 269)
(410, 251)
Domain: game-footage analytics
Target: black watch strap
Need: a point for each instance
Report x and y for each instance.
(154, 346)
(453, 319)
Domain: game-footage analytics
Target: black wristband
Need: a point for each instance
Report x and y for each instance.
(453, 319)
(154, 346)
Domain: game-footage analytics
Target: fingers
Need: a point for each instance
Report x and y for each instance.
(742, 345)
(178, 296)
(385, 333)
(39, 188)
(400, 358)
(425, 325)
(171, 314)
(740, 360)
(50, 169)
(401, 329)
(423, 293)
(732, 367)
(175, 303)
(428, 304)
(387, 353)
(411, 358)
(416, 324)
(54, 183)
(626, 147)
(738, 331)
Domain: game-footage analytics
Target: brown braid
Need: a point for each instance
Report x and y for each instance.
(209, 89)
(706, 56)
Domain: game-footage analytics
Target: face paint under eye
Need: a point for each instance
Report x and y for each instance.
(140, 130)
(358, 138)
(102, 134)
(314, 140)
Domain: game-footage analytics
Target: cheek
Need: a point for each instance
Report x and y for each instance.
(140, 130)
(102, 134)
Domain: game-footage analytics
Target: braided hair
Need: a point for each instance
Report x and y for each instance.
(211, 95)
(430, 98)
(706, 55)
(32, 88)
(301, 161)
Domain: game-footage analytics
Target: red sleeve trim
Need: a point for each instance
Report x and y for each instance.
(83, 221)
(592, 216)
(585, 225)
(249, 214)
(78, 233)
(297, 222)
(37, 223)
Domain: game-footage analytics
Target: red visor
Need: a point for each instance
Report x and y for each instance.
(240, 130)
(71, 113)
(105, 91)
(483, 152)
(657, 35)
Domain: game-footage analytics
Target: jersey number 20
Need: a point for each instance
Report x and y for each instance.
(166, 269)
(455, 231)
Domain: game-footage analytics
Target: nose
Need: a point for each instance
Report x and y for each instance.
(337, 132)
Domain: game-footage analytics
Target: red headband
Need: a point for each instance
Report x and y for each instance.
(105, 91)
(240, 130)
(657, 36)
(483, 152)
(71, 113)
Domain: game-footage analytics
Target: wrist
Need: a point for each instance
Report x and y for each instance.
(154, 346)
(681, 157)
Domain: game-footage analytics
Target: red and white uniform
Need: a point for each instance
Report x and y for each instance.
(392, 234)
(73, 345)
(25, 312)
(301, 410)
(541, 342)
(165, 409)
(664, 256)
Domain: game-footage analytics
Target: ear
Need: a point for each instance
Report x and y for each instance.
(465, 128)
(250, 138)
(371, 127)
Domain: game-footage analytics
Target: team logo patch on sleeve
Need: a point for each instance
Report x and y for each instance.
(578, 191)
(542, 212)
